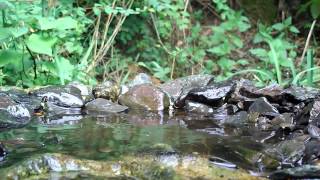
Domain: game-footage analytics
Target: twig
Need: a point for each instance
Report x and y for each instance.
(158, 35)
(307, 42)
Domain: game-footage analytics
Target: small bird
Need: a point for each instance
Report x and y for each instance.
(43, 108)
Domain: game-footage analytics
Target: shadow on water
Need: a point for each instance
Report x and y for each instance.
(108, 137)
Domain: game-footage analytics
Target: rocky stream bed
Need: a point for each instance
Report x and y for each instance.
(188, 128)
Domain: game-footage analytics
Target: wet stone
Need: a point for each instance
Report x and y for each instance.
(196, 107)
(67, 96)
(12, 114)
(103, 105)
(301, 93)
(315, 112)
(288, 152)
(145, 96)
(3, 152)
(141, 78)
(283, 121)
(248, 90)
(180, 86)
(311, 151)
(107, 90)
(85, 91)
(302, 172)
(214, 96)
(262, 106)
(314, 131)
(239, 119)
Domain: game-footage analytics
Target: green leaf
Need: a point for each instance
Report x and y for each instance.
(226, 64)
(41, 45)
(47, 23)
(5, 34)
(315, 9)
(294, 29)
(65, 69)
(6, 5)
(9, 57)
(66, 23)
(259, 52)
(19, 31)
(278, 26)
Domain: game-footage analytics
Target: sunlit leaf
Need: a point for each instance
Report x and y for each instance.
(40, 44)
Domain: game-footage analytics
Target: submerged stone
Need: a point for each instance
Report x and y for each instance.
(104, 106)
(302, 172)
(145, 96)
(288, 152)
(136, 167)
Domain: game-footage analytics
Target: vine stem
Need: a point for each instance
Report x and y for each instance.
(307, 42)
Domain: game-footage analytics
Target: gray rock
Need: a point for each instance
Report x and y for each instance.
(182, 85)
(141, 78)
(196, 107)
(239, 119)
(12, 114)
(262, 106)
(68, 96)
(107, 90)
(103, 105)
(214, 96)
(302, 172)
(145, 96)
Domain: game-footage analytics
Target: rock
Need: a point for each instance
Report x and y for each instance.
(311, 151)
(315, 112)
(289, 152)
(196, 107)
(239, 119)
(214, 96)
(314, 131)
(272, 92)
(164, 166)
(180, 86)
(141, 78)
(3, 152)
(302, 172)
(85, 91)
(145, 96)
(12, 114)
(284, 121)
(68, 96)
(104, 106)
(300, 94)
(263, 107)
(107, 90)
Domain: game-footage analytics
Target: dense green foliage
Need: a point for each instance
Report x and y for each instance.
(58, 41)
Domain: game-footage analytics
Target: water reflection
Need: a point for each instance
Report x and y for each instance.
(110, 136)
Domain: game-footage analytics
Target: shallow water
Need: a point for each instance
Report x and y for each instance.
(108, 137)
